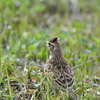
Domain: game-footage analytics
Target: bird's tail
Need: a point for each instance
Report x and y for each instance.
(73, 95)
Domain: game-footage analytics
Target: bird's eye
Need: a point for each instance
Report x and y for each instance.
(49, 43)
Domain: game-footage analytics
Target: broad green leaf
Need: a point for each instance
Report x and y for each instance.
(31, 48)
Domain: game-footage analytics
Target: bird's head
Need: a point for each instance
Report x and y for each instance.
(53, 44)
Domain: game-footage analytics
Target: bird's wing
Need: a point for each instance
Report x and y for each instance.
(63, 75)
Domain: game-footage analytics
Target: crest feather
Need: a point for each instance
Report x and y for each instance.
(55, 39)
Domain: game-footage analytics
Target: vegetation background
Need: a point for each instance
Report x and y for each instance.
(26, 24)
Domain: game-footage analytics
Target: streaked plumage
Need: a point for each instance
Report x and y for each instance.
(58, 68)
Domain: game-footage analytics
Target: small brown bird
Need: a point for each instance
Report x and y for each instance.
(58, 68)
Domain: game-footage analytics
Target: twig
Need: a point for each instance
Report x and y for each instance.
(86, 62)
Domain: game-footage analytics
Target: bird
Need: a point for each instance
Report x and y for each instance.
(59, 69)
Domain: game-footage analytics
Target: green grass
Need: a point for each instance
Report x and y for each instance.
(26, 24)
